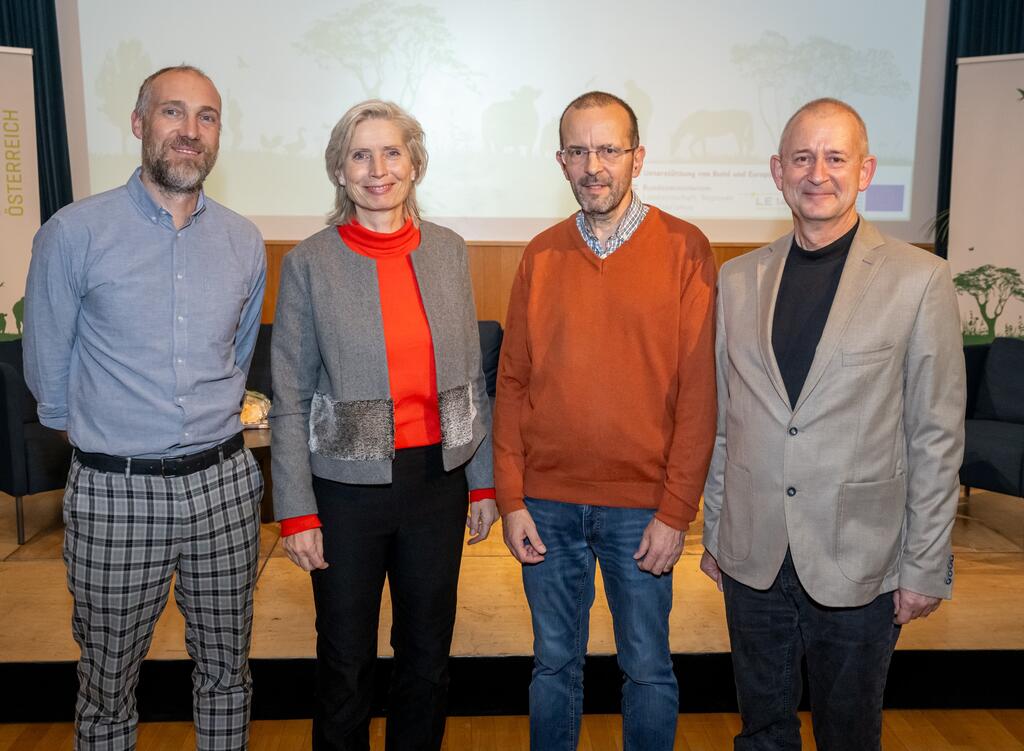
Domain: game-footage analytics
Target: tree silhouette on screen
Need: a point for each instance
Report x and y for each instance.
(387, 48)
(788, 74)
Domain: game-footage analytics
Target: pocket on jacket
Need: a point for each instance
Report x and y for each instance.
(868, 357)
(456, 412)
(736, 520)
(357, 430)
(869, 527)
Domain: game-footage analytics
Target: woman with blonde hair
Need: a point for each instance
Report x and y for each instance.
(381, 431)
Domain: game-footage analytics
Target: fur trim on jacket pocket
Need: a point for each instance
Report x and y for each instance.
(457, 413)
(361, 430)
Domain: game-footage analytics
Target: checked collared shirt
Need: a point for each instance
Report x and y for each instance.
(627, 226)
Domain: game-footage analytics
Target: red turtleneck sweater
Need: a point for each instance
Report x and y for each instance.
(412, 373)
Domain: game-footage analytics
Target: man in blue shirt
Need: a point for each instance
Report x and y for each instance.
(142, 309)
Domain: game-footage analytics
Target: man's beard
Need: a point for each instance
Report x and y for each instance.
(598, 206)
(180, 176)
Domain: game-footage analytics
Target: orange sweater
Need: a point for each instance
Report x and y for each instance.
(606, 387)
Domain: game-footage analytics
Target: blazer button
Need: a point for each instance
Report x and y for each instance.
(791, 492)
(793, 431)
(948, 580)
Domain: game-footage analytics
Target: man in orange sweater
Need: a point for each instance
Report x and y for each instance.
(604, 425)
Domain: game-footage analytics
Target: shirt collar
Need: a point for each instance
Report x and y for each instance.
(627, 226)
(145, 201)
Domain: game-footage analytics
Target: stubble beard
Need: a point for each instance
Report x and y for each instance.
(599, 207)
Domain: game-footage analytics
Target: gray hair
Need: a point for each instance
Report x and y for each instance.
(828, 103)
(341, 139)
(145, 97)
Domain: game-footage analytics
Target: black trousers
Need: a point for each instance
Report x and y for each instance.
(848, 652)
(410, 531)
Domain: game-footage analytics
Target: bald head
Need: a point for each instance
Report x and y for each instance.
(600, 99)
(823, 108)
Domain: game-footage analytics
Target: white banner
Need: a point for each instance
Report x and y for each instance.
(19, 218)
(986, 217)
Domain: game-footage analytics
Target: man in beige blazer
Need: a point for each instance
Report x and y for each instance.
(833, 485)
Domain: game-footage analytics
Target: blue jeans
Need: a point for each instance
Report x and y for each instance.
(560, 591)
(848, 652)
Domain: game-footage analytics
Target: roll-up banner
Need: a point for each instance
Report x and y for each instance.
(986, 215)
(19, 218)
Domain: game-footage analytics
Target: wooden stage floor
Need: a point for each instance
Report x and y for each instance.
(902, 730)
(987, 612)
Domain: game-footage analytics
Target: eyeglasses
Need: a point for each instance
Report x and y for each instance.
(577, 155)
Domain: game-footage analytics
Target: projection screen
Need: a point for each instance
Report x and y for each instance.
(711, 83)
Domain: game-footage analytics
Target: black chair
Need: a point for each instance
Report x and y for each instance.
(491, 335)
(994, 446)
(33, 458)
(259, 369)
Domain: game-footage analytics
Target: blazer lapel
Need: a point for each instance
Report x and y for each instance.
(861, 266)
(769, 276)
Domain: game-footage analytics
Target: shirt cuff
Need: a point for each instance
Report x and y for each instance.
(481, 494)
(296, 524)
(55, 418)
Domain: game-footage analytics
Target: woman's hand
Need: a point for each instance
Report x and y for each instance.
(482, 514)
(306, 549)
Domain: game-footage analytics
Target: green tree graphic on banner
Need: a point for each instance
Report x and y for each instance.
(991, 287)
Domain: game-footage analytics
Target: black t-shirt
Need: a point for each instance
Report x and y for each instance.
(808, 286)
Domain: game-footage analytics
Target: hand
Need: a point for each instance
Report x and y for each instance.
(482, 515)
(660, 548)
(64, 434)
(306, 549)
(521, 537)
(709, 566)
(910, 605)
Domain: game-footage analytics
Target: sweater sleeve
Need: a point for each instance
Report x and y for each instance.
(295, 524)
(512, 390)
(693, 436)
(295, 367)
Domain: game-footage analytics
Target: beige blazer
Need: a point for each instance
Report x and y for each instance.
(859, 480)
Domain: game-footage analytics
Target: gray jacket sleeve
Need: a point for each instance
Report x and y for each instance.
(295, 369)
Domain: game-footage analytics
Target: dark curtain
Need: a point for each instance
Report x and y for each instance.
(33, 24)
(976, 28)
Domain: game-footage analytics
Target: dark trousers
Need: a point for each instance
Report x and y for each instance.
(410, 531)
(847, 650)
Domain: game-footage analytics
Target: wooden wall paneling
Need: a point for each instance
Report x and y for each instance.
(492, 267)
(276, 251)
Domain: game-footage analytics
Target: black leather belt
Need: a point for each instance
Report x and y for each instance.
(174, 466)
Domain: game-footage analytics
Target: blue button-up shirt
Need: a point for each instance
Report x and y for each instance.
(138, 335)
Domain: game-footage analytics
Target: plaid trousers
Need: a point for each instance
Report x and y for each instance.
(126, 535)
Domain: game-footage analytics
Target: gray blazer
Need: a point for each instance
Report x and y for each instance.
(332, 414)
(859, 480)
